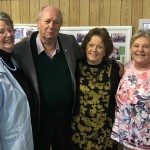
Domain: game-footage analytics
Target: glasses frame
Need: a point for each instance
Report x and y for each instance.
(3, 32)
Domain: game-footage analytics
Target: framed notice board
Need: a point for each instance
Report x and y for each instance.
(120, 36)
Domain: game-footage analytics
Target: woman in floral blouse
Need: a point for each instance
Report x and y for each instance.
(132, 115)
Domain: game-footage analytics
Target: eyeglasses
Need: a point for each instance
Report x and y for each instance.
(3, 32)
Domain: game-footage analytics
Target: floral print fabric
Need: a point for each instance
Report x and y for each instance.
(132, 115)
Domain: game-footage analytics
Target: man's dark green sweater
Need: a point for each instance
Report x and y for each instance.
(55, 84)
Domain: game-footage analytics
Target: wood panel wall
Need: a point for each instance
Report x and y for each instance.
(82, 12)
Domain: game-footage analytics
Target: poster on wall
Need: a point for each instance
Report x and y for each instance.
(120, 36)
(144, 24)
(23, 31)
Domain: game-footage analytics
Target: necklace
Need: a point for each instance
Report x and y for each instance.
(4, 63)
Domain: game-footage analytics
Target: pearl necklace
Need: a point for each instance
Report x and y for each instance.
(4, 63)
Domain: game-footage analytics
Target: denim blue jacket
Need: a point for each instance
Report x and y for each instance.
(15, 120)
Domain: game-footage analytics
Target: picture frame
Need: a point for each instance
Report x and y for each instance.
(120, 36)
(23, 31)
(144, 24)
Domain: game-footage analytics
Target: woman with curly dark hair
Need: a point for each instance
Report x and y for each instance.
(97, 82)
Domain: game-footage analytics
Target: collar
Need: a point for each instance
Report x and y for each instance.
(40, 47)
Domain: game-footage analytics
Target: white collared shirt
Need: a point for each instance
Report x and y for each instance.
(40, 47)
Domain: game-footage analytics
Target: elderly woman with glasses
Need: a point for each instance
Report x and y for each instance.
(17, 110)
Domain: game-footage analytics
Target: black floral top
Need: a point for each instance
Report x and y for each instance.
(97, 87)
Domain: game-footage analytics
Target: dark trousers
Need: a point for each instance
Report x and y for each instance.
(55, 133)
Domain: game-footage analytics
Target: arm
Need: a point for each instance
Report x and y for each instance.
(115, 79)
(78, 51)
(121, 68)
(0, 144)
(1, 95)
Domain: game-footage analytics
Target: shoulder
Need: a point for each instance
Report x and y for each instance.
(112, 63)
(115, 65)
(2, 70)
(80, 66)
(27, 40)
(81, 62)
(21, 44)
(3, 76)
(128, 68)
(66, 36)
(23, 47)
(129, 65)
(115, 69)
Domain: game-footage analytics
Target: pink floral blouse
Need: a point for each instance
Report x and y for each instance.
(132, 116)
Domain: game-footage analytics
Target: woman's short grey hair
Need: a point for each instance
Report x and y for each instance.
(138, 34)
(7, 19)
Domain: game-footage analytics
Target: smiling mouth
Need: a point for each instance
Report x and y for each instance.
(140, 55)
(8, 41)
(93, 54)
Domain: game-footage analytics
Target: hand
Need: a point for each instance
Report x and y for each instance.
(121, 71)
(23, 37)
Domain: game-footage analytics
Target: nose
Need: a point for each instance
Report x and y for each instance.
(7, 33)
(94, 48)
(51, 24)
(140, 48)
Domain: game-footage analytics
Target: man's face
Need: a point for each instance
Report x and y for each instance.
(49, 24)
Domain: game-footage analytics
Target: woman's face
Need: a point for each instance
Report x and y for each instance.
(7, 37)
(140, 51)
(95, 50)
